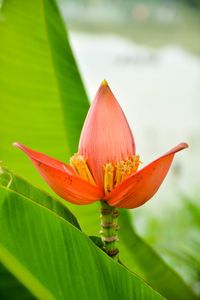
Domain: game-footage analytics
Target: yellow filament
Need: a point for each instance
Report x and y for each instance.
(78, 163)
(119, 172)
(114, 175)
(136, 162)
(108, 177)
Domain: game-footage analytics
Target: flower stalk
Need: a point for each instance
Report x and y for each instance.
(109, 229)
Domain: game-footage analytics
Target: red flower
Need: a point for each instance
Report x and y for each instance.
(105, 166)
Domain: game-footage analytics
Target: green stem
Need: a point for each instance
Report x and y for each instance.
(109, 229)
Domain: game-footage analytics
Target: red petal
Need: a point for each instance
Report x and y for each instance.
(62, 178)
(106, 136)
(140, 187)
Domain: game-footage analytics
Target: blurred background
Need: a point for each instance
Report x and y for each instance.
(149, 52)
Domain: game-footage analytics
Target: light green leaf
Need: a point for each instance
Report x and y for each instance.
(55, 260)
(43, 102)
(22, 187)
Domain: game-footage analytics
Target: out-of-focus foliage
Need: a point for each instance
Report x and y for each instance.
(193, 3)
(152, 23)
(181, 253)
(188, 255)
(146, 262)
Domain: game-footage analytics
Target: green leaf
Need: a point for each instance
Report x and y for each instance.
(22, 187)
(11, 288)
(43, 102)
(141, 258)
(97, 240)
(135, 253)
(55, 260)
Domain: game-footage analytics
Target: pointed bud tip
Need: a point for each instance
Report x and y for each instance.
(104, 83)
(15, 144)
(18, 145)
(184, 145)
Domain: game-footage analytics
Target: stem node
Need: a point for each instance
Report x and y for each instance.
(109, 229)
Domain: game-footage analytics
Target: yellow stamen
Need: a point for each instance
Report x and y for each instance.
(136, 162)
(79, 164)
(108, 177)
(117, 174)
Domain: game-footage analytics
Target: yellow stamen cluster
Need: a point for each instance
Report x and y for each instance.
(78, 163)
(114, 175)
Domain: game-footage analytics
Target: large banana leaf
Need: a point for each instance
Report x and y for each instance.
(135, 253)
(19, 185)
(43, 102)
(54, 260)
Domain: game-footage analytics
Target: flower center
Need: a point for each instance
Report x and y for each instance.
(78, 163)
(114, 174)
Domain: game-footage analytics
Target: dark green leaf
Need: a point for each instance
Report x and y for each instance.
(11, 288)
